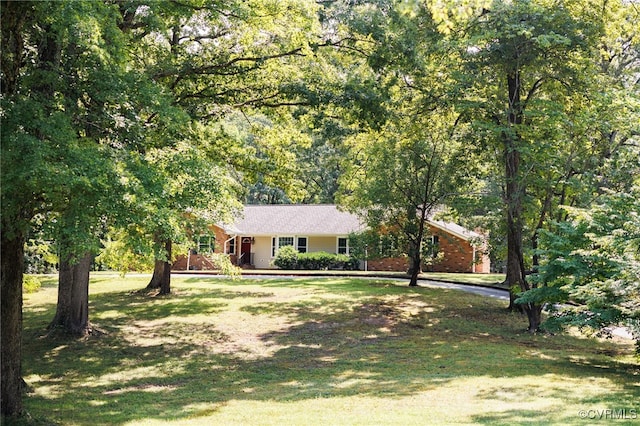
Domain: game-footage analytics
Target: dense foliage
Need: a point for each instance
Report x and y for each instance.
(289, 258)
(593, 261)
(135, 125)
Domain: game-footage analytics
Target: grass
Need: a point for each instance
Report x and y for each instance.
(488, 280)
(313, 350)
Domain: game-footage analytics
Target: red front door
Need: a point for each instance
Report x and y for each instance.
(245, 251)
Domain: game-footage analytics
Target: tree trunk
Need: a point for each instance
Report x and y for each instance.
(514, 193)
(158, 274)
(515, 276)
(12, 267)
(414, 268)
(161, 277)
(413, 280)
(72, 311)
(165, 285)
(534, 315)
(415, 240)
(544, 212)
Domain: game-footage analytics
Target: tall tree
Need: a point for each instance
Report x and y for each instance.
(89, 83)
(176, 192)
(524, 56)
(70, 109)
(57, 102)
(17, 211)
(404, 163)
(588, 252)
(216, 59)
(404, 175)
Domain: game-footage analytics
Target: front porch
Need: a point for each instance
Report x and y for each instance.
(239, 250)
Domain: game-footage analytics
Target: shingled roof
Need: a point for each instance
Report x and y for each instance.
(296, 219)
(455, 229)
(312, 220)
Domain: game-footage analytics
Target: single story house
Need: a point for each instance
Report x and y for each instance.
(255, 237)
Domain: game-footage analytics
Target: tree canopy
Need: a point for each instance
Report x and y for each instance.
(143, 122)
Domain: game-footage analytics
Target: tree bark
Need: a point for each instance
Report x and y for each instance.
(161, 278)
(415, 248)
(12, 267)
(165, 285)
(72, 311)
(15, 16)
(514, 193)
(534, 315)
(515, 274)
(158, 274)
(414, 266)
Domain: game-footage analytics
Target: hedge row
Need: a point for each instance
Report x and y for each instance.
(289, 258)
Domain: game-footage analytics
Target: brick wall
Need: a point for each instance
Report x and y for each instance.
(200, 262)
(458, 257)
(221, 237)
(197, 262)
(399, 264)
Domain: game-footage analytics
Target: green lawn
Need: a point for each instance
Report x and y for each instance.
(490, 280)
(314, 351)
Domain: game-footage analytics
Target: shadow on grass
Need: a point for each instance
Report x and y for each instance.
(167, 358)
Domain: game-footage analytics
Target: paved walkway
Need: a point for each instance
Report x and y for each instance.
(497, 293)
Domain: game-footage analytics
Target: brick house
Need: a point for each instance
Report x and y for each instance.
(462, 251)
(254, 239)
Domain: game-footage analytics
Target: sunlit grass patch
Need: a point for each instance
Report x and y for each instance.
(309, 351)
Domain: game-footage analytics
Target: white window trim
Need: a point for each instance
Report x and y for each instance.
(297, 240)
(338, 244)
(205, 247)
(227, 245)
(435, 240)
(276, 239)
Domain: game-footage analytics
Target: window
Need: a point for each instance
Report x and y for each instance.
(434, 246)
(343, 245)
(231, 246)
(302, 244)
(206, 244)
(278, 242)
(388, 246)
(285, 241)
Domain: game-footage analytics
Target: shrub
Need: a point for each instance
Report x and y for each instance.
(351, 264)
(224, 265)
(30, 284)
(289, 258)
(286, 258)
(316, 260)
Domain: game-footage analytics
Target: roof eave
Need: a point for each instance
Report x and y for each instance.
(465, 237)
